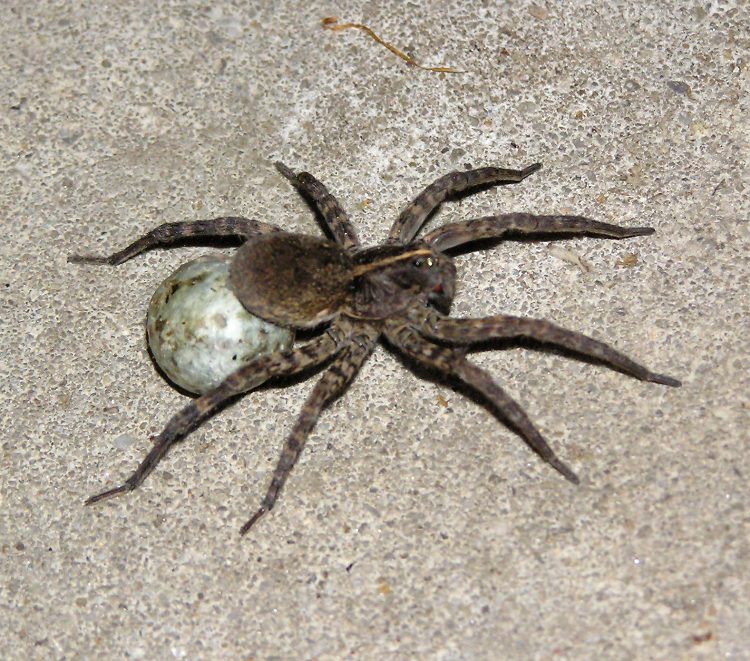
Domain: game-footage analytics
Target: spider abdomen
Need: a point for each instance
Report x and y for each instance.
(293, 280)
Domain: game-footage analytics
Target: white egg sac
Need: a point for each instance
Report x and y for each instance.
(199, 333)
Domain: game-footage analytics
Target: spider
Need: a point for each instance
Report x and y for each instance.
(400, 292)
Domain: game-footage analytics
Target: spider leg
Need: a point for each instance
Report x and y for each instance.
(451, 361)
(330, 386)
(171, 232)
(246, 378)
(413, 216)
(468, 331)
(333, 213)
(495, 227)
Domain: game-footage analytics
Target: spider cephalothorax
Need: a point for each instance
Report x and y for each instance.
(400, 291)
(391, 279)
(300, 281)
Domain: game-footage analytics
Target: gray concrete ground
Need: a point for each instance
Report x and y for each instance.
(411, 528)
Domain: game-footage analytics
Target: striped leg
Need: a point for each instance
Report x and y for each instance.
(413, 216)
(525, 224)
(169, 233)
(251, 375)
(333, 382)
(334, 215)
(468, 331)
(452, 362)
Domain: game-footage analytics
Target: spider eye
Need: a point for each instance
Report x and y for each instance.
(418, 262)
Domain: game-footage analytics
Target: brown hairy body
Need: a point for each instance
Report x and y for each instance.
(400, 292)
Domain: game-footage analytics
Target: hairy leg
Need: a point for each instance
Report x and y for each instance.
(333, 213)
(468, 331)
(413, 216)
(333, 382)
(452, 362)
(495, 227)
(246, 378)
(170, 232)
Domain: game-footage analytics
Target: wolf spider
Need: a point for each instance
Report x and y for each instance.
(400, 291)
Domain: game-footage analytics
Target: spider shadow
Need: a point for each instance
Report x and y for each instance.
(438, 377)
(433, 375)
(526, 343)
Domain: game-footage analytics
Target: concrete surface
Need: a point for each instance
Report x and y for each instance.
(410, 529)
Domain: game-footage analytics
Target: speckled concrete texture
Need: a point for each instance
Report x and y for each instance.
(416, 525)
